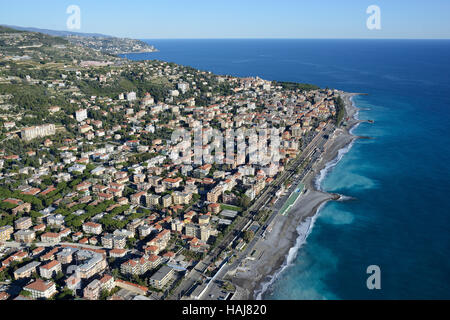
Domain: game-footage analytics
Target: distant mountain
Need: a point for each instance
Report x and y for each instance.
(99, 42)
(58, 33)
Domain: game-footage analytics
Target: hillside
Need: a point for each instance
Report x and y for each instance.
(22, 46)
(99, 42)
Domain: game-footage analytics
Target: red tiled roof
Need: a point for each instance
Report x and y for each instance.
(40, 285)
(48, 190)
(133, 284)
(106, 278)
(170, 180)
(131, 263)
(214, 205)
(4, 296)
(153, 258)
(38, 250)
(51, 265)
(13, 201)
(118, 251)
(50, 235)
(92, 224)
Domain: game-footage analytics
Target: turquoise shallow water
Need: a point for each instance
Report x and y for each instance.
(400, 180)
(397, 220)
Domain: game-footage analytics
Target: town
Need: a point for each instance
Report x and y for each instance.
(99, 202)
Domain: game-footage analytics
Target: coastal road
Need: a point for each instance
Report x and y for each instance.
(198, 272)
(276, 211)
(317, 143)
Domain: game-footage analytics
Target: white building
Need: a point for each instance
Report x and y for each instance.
(92, 228)
(31, 133)
(174, 93)
(41, 289)
(131, 96)
(81, 115)
(183, 87)
(50, 269)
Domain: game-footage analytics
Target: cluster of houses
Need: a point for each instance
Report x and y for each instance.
(173, 196)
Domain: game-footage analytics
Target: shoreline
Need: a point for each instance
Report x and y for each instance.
(279, 248)
(137, 52)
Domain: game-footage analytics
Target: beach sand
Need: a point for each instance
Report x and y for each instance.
(271, 253)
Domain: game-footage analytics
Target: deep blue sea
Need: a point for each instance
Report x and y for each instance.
(400, 180)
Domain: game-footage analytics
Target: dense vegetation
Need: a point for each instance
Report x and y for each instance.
(340, 110)
(294, 85)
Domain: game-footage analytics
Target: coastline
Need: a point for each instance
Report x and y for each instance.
(137, 52)
(279, 248)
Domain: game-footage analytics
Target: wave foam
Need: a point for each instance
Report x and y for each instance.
(344, 198)
(330, 165)
(305, 228)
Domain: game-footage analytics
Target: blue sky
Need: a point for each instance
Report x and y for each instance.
(151, 19)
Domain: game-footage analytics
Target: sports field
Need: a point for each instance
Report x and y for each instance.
(292, 199)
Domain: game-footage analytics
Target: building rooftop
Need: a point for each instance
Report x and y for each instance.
(161, 273)
(40, 285)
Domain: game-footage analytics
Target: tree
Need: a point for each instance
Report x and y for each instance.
(244, 201)
(25, 293)
(59, 276)
(195, 197)
(340, 110)
(248, 236)
(228, 286)
(104, 294)
(130, 243)
(2, 276)
(66, 294)
(116, 273)
(35, 215)
(139, 281)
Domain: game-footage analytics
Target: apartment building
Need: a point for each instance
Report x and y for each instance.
(81, 115)
(26, 271)
(152, 200)
(41, 289)
(161, 277)
(140, 266)
(90, 263)
(167, 201)
(214, 194)
(50, 269)
(202, 232)
(23, 223)
(51, 238)
(107, 283)
(161, 240)
(73, 283)
(107, 241)
(65, 256)
(92, 228)
(25, 236)
(31, 133)
(181, 198)
(6, 232)
(92, 290)
(177, 225)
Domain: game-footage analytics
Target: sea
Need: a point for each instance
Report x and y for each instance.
(396, 212)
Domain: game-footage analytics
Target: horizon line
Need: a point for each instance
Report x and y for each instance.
(139, 38)
(222, 38)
